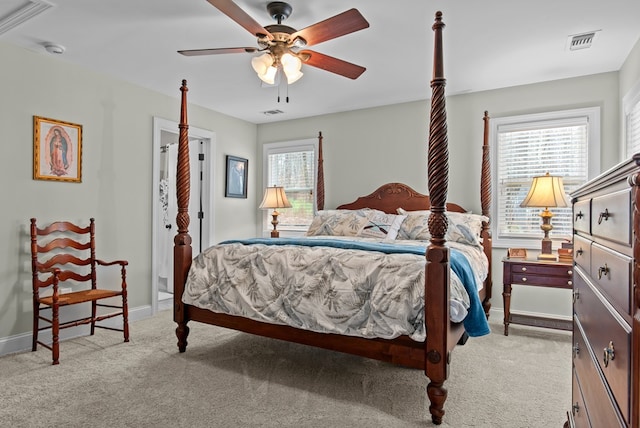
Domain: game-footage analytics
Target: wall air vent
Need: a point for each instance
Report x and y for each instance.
(29, 10)
(272, 112)
(581, 41)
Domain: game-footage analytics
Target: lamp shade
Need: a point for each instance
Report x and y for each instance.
(546, 191)
(274, 197)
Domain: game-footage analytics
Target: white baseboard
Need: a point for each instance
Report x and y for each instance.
(22, 342)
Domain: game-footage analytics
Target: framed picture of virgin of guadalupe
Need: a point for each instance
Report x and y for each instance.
(57, 150)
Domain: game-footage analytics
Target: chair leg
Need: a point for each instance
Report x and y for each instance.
(125, 315)
(94, 306)
(36, 325)
(55, 331)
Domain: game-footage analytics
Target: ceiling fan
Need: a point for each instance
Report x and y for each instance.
(283, 45)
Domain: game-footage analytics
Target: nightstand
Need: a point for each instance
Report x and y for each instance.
(535, 273)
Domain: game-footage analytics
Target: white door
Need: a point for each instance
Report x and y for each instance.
(165, 202)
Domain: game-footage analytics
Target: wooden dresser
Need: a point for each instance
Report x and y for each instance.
(606, 317)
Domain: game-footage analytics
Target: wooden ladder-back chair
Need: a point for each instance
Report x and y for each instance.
(64, 252)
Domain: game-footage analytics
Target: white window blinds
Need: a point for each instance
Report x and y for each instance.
(528, 146)
(293, 166)
(632, 119)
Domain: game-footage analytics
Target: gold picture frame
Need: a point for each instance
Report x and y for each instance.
(57, 150)
(517, 253)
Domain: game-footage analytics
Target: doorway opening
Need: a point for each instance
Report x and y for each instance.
(165, 156)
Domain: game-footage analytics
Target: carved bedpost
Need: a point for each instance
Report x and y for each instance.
(182, 241)
(485, 200)
(437, 268)
(320, 175)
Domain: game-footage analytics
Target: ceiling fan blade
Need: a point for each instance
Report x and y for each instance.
(216, 51)
(234, 12)
(336, 26)
(331, 64)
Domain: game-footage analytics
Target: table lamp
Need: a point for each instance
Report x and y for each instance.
(546, 191)
(274, 197)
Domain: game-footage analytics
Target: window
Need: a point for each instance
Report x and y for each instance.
(563, 143)
(292, 165)
(631, 107)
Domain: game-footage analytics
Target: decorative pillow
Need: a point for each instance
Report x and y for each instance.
(338, 223)
(463, 227)
(382, 225)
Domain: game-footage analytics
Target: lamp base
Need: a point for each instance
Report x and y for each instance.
(275, 234)
(548, 257)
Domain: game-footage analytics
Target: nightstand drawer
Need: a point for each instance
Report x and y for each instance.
(605, 330)
(611, 217)
(582, 252)
(600, 409)
(582, 216)
(547, 281)
(547, 270)
(612, 273)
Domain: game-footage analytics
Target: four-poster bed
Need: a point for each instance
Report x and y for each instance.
(431, 354)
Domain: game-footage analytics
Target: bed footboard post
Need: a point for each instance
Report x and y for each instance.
(437, 266)
(485, 200)
(182, 241)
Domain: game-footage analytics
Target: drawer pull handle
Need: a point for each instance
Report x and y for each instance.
(605, 215)
(569, 282)
(580, 252)
(603, 270)
(576, 295)
(524, 279)
(569, 272)
(575, 408)
(609, 354)
(524, 269)
(576, 350)
(579, 215)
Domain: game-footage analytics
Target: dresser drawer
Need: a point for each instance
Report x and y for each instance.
(611, 216)
(582, 252)
(578, 409)
(612, 272)
(603, 329)
(582, 216)
(601, 410)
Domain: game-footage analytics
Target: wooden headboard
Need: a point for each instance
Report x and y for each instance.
(391, 196)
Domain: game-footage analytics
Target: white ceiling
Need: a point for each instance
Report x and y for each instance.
(488, 44)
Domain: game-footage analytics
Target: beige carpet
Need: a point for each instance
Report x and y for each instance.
(230, 379)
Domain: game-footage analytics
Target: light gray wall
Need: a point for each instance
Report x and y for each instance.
(117, 120)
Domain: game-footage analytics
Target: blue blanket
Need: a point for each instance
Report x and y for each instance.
(475, 322)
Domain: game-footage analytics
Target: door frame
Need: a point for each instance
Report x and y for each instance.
(208, 149)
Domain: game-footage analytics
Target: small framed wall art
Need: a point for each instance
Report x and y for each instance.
(57, 150)
(236, 179)
(517, 253)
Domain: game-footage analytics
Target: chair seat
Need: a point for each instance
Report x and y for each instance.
(80, 297)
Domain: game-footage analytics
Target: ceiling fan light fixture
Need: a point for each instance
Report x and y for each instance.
(269, 76)
(261, 63)
(291, 66)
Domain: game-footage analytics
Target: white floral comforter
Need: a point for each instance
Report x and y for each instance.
(324, 289)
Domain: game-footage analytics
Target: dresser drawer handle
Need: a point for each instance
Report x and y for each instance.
(575, 408)
(576, 350)
(580, 252)
(609, 354)
(604, 215)
(579, 216)
(603, 270)
(576, 295)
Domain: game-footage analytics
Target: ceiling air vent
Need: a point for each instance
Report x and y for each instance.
(581, 41)
(22, 14)
(272, 112)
